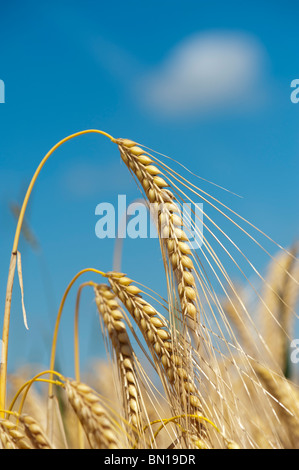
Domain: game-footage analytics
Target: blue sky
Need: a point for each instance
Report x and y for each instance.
(205, 82)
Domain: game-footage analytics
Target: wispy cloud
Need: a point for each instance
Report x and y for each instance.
(207, 72)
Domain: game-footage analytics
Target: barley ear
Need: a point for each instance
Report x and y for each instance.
(96, 422)
(169, 221)
(170, 360)
(114, 321)
(34, 433)
(12, 437)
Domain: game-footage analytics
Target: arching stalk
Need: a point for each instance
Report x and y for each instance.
(12, 266)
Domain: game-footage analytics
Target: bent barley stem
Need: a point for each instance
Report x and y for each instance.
(28, 385)
(58, 318)
(31, 382)
(55, 335)
(12, 266)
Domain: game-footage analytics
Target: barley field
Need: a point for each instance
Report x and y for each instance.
(149, 232)
(207, 367)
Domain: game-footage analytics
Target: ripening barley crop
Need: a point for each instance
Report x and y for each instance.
(205, 367)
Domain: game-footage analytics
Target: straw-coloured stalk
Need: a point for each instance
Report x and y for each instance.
(160, 342)
(13, 260)
(114, 322)
(96, 422)
(169, 221)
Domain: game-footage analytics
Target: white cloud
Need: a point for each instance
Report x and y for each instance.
(207, 72)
